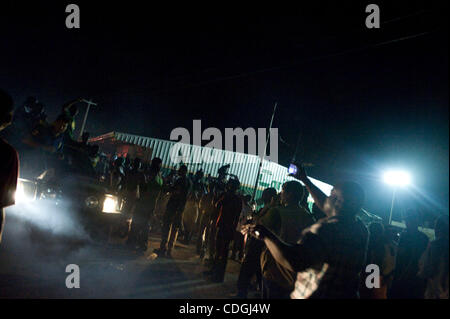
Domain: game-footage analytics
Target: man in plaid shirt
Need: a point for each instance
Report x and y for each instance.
(330, 254)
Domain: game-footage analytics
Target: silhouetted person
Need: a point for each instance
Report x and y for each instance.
(380, 252)
(134, 182)
(48, 137)
(229, 206)
(26, 117)
(191, 211)
(218, 186)
(71, 110)
(330, 255)
(287, 221)
(9, 160)
(102, 168)
(148, 195)
(174, 213)
(251, 265)
(117, 176)
(238, 241)
(48, 140)
(93, 154)
(206, 211)
(127, 164)
(317, 213)
(434, 263)
(406, 283)
(219, 183)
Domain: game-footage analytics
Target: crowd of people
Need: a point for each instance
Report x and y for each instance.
(284, 249)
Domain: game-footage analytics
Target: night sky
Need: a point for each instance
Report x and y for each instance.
(363, 100)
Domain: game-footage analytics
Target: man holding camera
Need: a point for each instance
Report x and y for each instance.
(287, 221)
(330, 255)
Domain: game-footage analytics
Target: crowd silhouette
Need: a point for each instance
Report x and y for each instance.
(285, 250)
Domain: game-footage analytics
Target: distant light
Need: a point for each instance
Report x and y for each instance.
(397, 178)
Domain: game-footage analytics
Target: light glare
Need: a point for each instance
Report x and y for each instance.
(20, 194)
(397, 178)
(110, 205)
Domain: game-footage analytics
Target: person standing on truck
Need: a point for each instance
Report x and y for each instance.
(9, 160)
(48, 141)
(26, 117)
(71, 110)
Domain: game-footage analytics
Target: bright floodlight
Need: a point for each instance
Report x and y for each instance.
(397, 178)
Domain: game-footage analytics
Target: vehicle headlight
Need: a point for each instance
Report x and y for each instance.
(19, 196)
(25, 191)
(91, 202)
(111, 205)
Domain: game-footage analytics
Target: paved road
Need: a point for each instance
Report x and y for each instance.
(33, 267)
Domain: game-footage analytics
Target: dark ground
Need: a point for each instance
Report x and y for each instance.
(33, 267)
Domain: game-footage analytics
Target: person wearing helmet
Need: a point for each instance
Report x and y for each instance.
(30, 114)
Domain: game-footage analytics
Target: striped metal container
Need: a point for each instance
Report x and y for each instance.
(244, 166)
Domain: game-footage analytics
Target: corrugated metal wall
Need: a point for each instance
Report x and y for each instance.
(244, 166)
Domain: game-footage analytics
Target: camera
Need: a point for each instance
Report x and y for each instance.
(292, 169)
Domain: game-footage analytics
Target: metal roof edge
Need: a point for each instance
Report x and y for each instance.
(102, 137)
(118, 135)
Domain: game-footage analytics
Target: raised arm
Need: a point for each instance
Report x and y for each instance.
(319, 197)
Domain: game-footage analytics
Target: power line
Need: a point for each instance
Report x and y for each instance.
(281, 67)
(277, 68)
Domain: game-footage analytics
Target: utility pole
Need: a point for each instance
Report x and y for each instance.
(392, 206)
(265, 150)
(89, 103)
